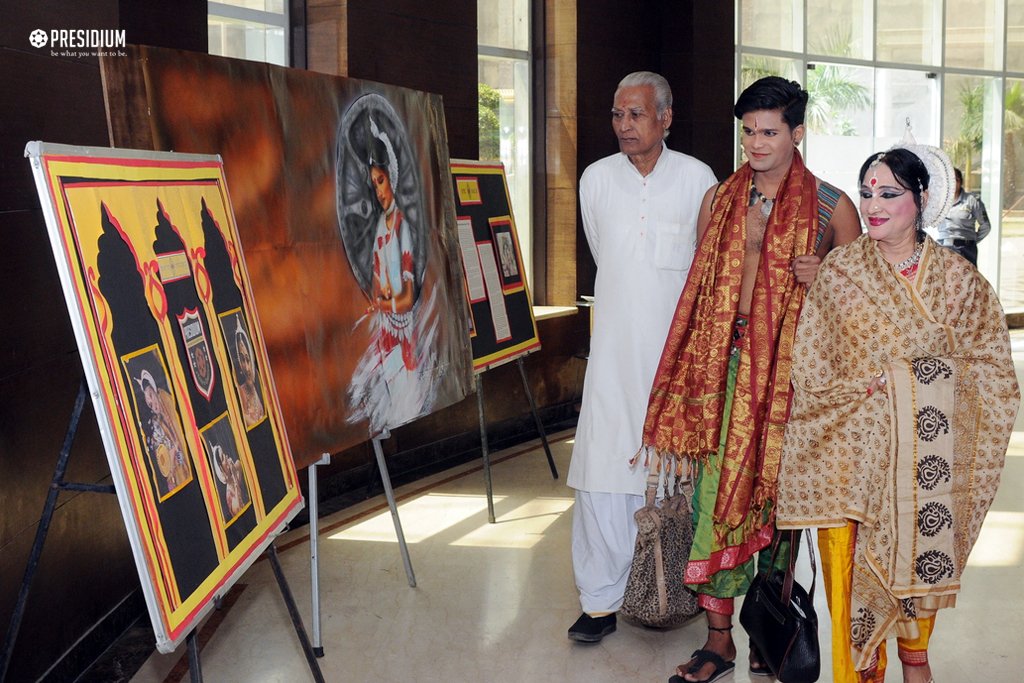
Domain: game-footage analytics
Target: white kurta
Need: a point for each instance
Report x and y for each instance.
(642, 232)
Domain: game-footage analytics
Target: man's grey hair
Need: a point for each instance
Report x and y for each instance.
(662, 90)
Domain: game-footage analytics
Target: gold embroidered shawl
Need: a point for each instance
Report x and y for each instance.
(917, 465)
(684, 415)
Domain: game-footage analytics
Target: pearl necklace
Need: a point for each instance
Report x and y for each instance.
(911, 262)
(756, 196)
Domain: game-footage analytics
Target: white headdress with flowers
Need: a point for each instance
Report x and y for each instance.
(941, 181)
(392, 161)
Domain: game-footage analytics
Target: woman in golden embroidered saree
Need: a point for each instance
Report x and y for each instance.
(904, 397)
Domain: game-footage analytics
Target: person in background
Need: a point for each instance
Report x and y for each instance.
(639, 210)
(966, 224)
(904, 399)
(721, 391)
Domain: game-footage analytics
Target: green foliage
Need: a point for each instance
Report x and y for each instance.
(488, 103)
(966, 147)
(1013, 127)
(832, 94)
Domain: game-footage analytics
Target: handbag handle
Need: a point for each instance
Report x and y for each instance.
(666, 465)
(652, 487)
(787, 584)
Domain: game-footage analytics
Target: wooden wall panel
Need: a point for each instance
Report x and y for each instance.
(327, 36)
(560, 130)
(425, 46)
(701, 71)
(690, 43)
(634, 39)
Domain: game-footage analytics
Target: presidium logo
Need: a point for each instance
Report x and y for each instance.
(79, 42)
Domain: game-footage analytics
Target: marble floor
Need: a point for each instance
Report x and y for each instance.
(492, 602)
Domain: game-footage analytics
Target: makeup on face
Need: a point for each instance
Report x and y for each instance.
(888, 208)
(767, 139)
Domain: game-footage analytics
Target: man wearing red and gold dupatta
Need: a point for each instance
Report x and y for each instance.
(722, 390)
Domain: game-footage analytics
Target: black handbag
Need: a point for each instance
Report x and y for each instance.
(778, 615)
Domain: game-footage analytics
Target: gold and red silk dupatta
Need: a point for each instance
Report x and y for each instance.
(918, 464)
(684, 415)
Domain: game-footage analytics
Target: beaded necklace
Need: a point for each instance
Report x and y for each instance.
(909, 266)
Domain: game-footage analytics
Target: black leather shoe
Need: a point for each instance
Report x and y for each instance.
(588, 629)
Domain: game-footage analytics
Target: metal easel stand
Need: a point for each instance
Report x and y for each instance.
(194, 667)
(385, 479)
(191, 641)
(483, 434)
(536, 418)
(314, 536)
(293, 612)
(57, 484)
(314, 550)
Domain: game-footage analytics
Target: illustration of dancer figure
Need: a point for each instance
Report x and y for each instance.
(248, 381)
(164, 434)
(387, 375)
(229, 473)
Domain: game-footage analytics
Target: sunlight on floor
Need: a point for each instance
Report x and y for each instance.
(421, 517)
(1001, 542)
(521, 528)
(1016, 446)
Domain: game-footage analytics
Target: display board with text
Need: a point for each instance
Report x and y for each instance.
(502, 326)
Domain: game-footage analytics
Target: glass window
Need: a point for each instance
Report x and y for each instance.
(840, 99)
(840, 128)
(1014, 35)
(971, 38)
(908, 32)
(963, 106)
(839, 28)
(272, 6)
(246, 40)
(772, 24)
(753, 67)
(1011, 281)
(903, 97)
(952, 67)
(501, 23)
(504, 104)
(249, 29)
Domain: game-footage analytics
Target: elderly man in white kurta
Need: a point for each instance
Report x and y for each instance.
(639, 212)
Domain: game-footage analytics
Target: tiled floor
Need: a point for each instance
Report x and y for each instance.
(493, 601)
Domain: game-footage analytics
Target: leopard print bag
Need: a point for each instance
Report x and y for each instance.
(655, 593)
